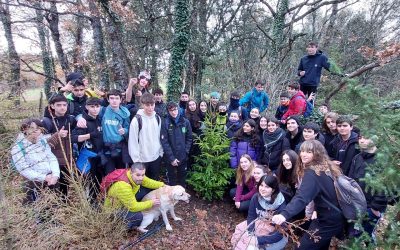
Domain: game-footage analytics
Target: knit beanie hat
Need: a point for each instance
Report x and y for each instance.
(215, 95)
(295, 118)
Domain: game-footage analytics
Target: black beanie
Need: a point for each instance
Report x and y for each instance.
(295, 117)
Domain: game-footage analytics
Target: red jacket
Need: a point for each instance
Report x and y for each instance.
(297, 105)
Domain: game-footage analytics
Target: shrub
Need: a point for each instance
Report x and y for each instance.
(211, 173)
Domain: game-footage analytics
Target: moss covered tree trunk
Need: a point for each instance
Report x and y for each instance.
(46, 56)
(179, 47)
(13, 56)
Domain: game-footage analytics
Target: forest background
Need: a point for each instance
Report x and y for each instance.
(202, 46)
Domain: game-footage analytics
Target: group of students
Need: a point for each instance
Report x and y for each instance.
(281, 166)
(307, 159)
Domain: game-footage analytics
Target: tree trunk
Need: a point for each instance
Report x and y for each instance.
(53, 20)
(278, 29)
(196, 64)
(119, 57)
(13, 56)
(77, 57)
(179, 47)
(46, 56)
(330, 32)
(99, 47)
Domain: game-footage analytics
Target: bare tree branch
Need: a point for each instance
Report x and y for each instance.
(269, 7)
(31, 69)
(261, 29)
(312, 9)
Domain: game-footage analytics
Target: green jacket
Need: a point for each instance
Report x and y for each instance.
(123, 195)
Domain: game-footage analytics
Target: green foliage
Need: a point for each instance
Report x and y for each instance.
(179, 47)
(382, 125)
(211, 172)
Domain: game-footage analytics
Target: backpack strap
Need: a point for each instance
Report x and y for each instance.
(331, 204)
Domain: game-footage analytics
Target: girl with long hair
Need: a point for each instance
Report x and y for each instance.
(314, 168)
(329, 129)
(275, 142)
(246, 141)
(262, 234)
(245, 184)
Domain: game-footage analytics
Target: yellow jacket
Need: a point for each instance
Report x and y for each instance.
(122, 194)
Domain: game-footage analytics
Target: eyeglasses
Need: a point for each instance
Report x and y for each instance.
(173, 109)
(142, 77)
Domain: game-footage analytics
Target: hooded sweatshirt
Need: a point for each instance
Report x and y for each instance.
(312, 65)
(145, 145)
(112, 121)
(255, 99)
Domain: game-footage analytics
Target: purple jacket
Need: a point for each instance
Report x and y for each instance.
(239, 148)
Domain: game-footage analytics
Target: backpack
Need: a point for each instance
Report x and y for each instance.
(111, 178)
(21, 147)
(350, 196)
(309, 108)
(140, 123)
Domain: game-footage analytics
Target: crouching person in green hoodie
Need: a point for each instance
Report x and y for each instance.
(123, 192)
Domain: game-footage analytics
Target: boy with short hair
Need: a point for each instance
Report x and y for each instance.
(284, 99)
(91, 138)
(310, 68)
(343, 147)
(234, 124)
(311, 131)
(183, 101)
(256, 98)
(376, 202)
(115, 125)
(144, 137)
(222, 117)
(176, 139)
(234, 105)
(160, 107)
(59, 124)
(77, 98)
(294, 131)
(297, 104)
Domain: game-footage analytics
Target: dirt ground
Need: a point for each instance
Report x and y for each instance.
(205, 225)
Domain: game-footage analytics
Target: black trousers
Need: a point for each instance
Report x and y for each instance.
(177, 174)
(307, 90)
(33, 190)
(153, 169)
(114, 162)
(329, 224)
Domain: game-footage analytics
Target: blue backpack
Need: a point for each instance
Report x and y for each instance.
(309, 108)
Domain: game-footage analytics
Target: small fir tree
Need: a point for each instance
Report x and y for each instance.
(212, 173)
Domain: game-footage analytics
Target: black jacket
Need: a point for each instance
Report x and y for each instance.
(313, 188)
(344, 151)
(357, 171)
(272, 151)
(95, 131)
(176, 138)
(295, 140)
(77, 105)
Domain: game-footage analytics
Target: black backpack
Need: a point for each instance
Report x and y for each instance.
(350, 196)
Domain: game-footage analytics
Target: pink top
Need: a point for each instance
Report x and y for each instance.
(251, 185)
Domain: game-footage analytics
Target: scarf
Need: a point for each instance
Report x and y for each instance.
(266, 203)
(271, 139)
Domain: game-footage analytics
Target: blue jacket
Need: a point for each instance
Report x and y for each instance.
(111, 122)
(176, 138)
(312, 65)
(255, 99)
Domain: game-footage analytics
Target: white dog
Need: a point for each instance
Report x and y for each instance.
(169, 196)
